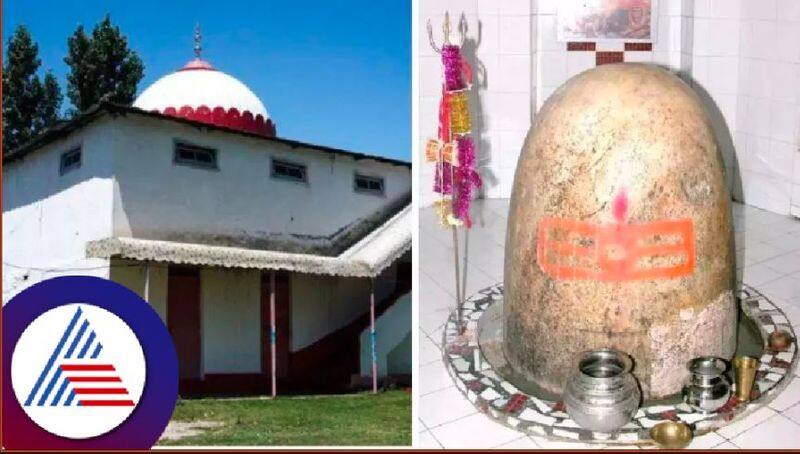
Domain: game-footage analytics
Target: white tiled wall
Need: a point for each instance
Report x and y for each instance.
(768, 105)
(501, 51)
(741, 56)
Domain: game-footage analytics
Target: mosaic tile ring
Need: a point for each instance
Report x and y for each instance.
(485, 388)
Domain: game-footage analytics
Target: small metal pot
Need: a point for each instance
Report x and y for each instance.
(707, 390)
(672, 434)
(779, 340)
(603, 396)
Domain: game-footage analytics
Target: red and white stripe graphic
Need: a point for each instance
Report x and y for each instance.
(96, 384)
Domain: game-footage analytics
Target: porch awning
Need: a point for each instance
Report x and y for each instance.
(367, 258)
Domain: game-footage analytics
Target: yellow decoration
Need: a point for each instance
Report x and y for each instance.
(459, 113)
(444, 209)
(454, 221)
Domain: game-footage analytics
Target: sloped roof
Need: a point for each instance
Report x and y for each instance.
(366, 258)
(65, 128)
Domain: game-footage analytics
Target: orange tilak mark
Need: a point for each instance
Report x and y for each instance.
(614, 251)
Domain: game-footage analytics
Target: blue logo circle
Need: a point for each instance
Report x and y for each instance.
(85, 349)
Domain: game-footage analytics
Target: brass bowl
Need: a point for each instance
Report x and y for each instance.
(779, 340)
(671, 434)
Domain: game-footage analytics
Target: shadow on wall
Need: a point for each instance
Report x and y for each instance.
(722, 134)
(725, 145)
(469, 50)
(43, 179)
(480, 79)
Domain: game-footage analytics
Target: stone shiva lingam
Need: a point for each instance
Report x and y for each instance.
(619, 232)
(619, 245)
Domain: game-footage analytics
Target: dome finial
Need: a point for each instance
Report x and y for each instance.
(197, 37)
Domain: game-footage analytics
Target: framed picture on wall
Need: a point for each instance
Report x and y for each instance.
(607, 20)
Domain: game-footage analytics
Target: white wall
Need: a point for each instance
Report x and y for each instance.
(48, 217)
(159, 200)
(133, 275)
(768, 109)
(231, 320)
(391, 335)
(741, 56)
(324, 304)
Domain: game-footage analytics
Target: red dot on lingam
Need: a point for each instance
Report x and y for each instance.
(620, 205)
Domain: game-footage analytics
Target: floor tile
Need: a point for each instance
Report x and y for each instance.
(755, 252)
(788, 241)
(432, 296)
(788, 397)
(758, 274)
(436, 378)
(520, 443)
(428, 351)
(775, 433)
(426, 440)
(443, 406)
(792, 312)
(474, 431)
(706, 441)
(751, 420)
(793, 413)
(545, 443)
(786, 288)
(785, 263)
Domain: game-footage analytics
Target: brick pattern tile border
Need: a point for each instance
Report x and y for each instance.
(581, 46)
(638, 47)
(605, 57)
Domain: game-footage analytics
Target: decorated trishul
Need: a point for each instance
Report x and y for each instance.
(573, 249)
(453, 152)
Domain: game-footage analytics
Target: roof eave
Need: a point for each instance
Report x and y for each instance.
(63, 129)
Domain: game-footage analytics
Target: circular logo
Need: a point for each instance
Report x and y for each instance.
(78, 371)
(87, 364)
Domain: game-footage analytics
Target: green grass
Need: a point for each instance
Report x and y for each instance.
(358, 419)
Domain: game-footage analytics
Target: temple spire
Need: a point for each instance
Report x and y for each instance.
(198, 48)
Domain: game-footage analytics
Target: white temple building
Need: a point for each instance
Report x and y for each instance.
(189, 199)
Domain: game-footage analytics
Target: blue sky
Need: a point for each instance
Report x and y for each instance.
(334, 73)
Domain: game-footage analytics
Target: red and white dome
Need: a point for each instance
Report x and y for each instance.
(200, 92)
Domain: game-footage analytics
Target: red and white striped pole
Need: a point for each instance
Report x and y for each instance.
(372, 336)
(272, 331)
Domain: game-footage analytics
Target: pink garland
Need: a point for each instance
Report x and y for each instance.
(451, 58)
(443, 183)
(466, 179)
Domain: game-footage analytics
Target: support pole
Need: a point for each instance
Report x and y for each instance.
(272, 332)
(372, 336)
(459, 324)
(147, 282)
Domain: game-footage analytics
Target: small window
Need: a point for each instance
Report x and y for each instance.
(289, 171)
(194, 155)
(70, 160)
(368, 185)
